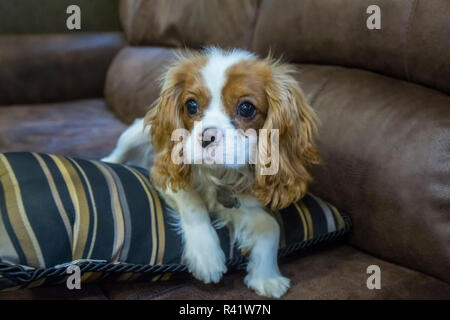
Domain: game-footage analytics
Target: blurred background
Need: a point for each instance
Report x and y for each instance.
(52, 78)
(49, 16)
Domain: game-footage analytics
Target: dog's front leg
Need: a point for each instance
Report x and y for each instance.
(202, 252)
(133, 146)
(259, 232)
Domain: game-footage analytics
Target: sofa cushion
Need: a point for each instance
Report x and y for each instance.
(337, 272)
(55, 67)
(385, 145)
(84, 128)
(112, 216)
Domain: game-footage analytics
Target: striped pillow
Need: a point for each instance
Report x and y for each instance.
(108, 219)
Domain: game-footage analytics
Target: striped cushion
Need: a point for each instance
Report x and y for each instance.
(108, 219)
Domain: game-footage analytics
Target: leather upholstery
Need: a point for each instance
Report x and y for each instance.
(85, 128)
(49, 68)
(386, 144)
(411, 45)
(132, 81)
(334, 273)
(192, 23)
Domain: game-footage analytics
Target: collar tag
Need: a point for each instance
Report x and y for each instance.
(226, 197)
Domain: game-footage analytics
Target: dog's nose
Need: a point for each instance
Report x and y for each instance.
(210, 135)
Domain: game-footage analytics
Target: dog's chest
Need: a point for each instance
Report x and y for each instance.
(227, 198)
(217, 193)
(218, 197)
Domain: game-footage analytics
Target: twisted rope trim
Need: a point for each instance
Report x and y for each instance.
(22, 276)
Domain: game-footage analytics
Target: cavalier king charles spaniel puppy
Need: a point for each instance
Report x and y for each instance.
(231, 136)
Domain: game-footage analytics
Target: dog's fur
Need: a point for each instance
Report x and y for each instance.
(219, 81)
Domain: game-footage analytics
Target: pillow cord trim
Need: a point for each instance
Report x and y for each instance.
(23, 277)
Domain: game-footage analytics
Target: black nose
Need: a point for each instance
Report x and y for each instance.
(208, 136)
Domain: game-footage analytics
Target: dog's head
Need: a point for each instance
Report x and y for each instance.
(234, 110)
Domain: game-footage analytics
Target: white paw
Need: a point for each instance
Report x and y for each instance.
(109, 159)
(206, 263)
(273, 287)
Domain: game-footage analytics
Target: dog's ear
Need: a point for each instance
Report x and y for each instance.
(164, 117)
(296, 124)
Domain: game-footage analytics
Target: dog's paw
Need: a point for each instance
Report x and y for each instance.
(206, 263)
(273, 287)
(109, 159)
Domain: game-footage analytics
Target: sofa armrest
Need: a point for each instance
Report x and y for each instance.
(132, 81)
(55, 67)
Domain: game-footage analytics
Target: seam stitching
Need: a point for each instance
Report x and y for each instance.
(254, 25)
(322, 87)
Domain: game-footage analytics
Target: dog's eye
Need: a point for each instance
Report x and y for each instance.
(191, 106)
(246, 110)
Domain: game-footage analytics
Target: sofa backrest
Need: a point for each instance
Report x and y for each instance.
(412, 43)
(189, 23)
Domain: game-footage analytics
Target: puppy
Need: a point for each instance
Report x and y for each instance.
(231, 136)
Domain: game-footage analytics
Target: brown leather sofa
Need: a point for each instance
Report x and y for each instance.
(382, 97)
